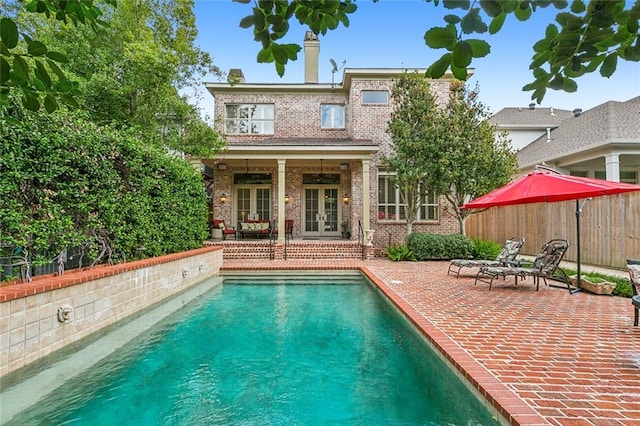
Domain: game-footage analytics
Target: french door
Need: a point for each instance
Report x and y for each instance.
(252, 203)
(321, 211)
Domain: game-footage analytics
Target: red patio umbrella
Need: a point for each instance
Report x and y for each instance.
(550, 186)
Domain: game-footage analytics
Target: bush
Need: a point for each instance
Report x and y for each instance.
(67, 182)
(435, 246)
(623, 285)
(485, 249)
(399, 253)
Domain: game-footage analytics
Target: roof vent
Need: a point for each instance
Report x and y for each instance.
(532, 106)
(577, 112)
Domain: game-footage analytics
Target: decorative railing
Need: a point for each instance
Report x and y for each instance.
(361, 238)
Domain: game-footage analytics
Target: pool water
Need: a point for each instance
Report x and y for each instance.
(247, 353)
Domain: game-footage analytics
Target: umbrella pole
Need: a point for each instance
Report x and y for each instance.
(578, 213)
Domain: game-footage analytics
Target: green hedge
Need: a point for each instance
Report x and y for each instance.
(435, 246)
(67, 182)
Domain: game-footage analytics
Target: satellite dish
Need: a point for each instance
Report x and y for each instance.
(334, 65)
(334, 69)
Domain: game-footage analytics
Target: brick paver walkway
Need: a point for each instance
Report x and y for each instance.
(546, 357)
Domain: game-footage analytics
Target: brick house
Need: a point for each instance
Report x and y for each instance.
(312, 150)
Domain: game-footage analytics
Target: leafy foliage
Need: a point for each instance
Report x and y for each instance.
(416, 136)
(586, 37)
(485, 249)
(449, 151)
(471, 161)
(399, 253)
(435, 246)
(270, 22)
(623, 285)
(66, 182)
(29, 67)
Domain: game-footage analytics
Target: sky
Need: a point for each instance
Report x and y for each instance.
(390, 34)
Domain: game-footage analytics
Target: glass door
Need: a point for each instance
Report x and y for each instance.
(321, 212)
(253, 203)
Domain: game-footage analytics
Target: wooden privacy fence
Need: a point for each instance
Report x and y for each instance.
(609, 227)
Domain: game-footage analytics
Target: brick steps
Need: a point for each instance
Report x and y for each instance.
(297, 249)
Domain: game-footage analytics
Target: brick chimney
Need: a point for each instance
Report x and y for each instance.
(311, 51)
(235, 76)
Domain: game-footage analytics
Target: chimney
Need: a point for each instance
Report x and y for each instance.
(311, 51)
(577, 112)
(235, 76)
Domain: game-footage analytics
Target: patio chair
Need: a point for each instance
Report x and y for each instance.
(226, 230)
(506, 257)
(544, 266)
(634, 276)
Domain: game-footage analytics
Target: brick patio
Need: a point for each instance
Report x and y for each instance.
(546, 357)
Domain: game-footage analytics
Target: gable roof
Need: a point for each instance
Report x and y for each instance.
(607, 124)
(529, 118)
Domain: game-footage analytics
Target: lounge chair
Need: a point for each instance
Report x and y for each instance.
(507, 257)
(634, 276)
(544, 266)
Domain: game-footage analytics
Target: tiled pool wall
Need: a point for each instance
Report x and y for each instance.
(30, 327)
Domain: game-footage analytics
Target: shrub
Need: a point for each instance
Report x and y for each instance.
(399, 253)
(435, 246)
(485, 249)
(623, 285)
(67, 182)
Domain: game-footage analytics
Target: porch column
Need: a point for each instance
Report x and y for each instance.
(612, 166)
(366, 195)
(281, 204)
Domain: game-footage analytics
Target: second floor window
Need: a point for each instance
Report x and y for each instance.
(332, 116)
(249, 119)
(390, 207)
(375, 97)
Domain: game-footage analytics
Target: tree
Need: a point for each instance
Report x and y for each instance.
(128, 72)
(587, 37)
(472, 160)
(31, 68)
(415, 128)
(448, 150)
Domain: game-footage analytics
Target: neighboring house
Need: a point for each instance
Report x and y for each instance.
(311, 152)
(603, 142)
(525, 125)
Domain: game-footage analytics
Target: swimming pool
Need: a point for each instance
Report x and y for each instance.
(284, 353)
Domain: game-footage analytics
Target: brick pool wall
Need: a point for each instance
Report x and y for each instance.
(99, 297)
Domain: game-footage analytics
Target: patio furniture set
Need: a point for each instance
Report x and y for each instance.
(252, 228)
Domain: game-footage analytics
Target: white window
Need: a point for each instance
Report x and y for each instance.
(249, 119)
(625, 176)
(390, 208)
(332, 116)
(375, 97)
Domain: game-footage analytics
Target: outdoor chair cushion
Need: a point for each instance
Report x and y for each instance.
(506, 257)
(544, 266)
